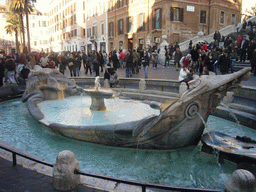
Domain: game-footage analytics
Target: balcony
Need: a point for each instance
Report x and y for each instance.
(93, 38)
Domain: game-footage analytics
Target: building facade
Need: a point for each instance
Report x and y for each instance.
(121, 24)
(142, 23)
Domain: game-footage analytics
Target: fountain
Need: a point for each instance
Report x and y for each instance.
(178, 125)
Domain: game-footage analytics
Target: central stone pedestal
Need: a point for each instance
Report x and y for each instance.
(97, 98)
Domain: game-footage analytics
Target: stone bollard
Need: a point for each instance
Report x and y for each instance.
(182, 88)
(64, 177)
(241, 181)
(106, 83)
(229, 98)
(142, 85)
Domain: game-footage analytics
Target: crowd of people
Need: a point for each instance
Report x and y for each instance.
(219, 55)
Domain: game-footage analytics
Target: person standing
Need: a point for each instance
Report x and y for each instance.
(88, 64)
(71, 64)
(145, 63)
(194, 56)
(95, 63)
(115, 60)
(253, 62)
(2, 70)
(224, 62)
(121, 58)
(244, 48)
(129, 64)
(177, 58)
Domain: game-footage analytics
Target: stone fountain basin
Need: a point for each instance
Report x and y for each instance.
(179, 125)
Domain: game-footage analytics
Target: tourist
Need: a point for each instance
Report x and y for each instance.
(115, 60)
(32, 61)
(136, 59)
(2, 70)
(205, 71)
(23, 75)
(194, 56)
(44, 61)
(101, 61)
(233, 58)
(244, 49)
(224, 62)
(111, 75)
(177, 57)
(84, 58)
(77, 64)
(167, 57)
(88, 64)
(95, 63)
(71, 64)
(189, 77)
(10, 68)
(186, 60)
(154, 61)
(145, 63)
(253, 62)
(183, 72)
(62, 61)
(121, 58)
(129, 63)
(208, 62)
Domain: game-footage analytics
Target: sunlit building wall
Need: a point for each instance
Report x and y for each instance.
(95, 28)
(142, 23)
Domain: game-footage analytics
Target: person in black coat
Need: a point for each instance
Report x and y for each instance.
(244, 49)
(253, 62)
(115, 60)
(224, 62)
(2, 70)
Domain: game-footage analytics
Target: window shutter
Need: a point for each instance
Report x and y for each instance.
(144, 25)
(160, 18)
(127, 24)
(171, 13)
(181, 14)
(153, 19)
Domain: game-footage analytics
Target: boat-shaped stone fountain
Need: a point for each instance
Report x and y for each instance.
(179, 124)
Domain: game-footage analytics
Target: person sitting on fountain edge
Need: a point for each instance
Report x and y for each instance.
(189, 77)
(111, 75)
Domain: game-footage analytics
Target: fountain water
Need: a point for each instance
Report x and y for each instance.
(177, 126)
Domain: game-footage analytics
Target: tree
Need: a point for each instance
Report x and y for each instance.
(18, 7)
(13, 26)
(250, 12)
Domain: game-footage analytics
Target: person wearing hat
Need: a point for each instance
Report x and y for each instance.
(224, 62)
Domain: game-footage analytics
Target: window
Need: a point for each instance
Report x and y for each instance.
(88, 32)
(102, 28)
(129, 24)
(39, 23)
(120, 26)
(222, 15)
(84, 32)
(33, 25)
(94, 30)
(121, 45)
(157, 18)
(203, 17)
(141, 22)
(177, 14)
(233, 19)
(111, 29)
(35, 43)
(44, 23)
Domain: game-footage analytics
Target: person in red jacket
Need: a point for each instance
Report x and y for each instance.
(121, 58)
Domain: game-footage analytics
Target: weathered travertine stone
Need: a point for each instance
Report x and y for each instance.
(241, 181)
(142, 85)
(106, 83)
(229, 98)
(64, 177)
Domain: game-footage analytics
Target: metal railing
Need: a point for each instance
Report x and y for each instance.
(143, 185)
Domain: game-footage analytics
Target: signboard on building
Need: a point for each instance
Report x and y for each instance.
(191, 8)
